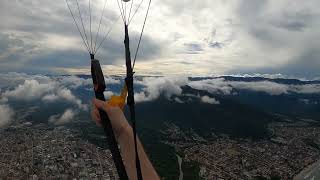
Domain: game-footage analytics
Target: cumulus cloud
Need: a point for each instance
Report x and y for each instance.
(209, 100)
(157, 86)
(64, 94)
(222, 86)
(74, 81)
(262, 86)
(68, 96)
(6, 115)
(50, 98)
(48, 89)
(29, 90)
(178, 100)
(111, 80)
(64, 118)
(52, 89)
(217, 85)
(108, 94)
(306, 89)
(154, 87)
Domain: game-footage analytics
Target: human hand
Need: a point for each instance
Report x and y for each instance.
(119, 123)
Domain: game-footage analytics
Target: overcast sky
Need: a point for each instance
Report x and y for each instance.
(189, 37)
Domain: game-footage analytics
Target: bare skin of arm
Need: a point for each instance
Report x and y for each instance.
(124, 135)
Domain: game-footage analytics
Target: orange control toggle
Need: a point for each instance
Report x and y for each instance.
(119, 100)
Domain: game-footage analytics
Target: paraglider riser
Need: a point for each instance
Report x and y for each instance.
(130, 99)
(99, 88)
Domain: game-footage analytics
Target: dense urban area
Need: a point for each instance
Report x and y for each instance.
(39, 152)
(290, 148)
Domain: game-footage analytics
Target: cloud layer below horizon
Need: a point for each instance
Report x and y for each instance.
(75, 92)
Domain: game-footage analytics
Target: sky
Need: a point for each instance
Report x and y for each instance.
(183, 37)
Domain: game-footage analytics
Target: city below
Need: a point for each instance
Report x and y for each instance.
(292, 148)
(39, 152)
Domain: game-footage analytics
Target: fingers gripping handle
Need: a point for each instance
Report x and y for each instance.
(99, 87)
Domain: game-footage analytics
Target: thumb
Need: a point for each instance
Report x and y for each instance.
(101, 105)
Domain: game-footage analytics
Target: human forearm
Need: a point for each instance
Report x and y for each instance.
(124, 135)
(126, 143)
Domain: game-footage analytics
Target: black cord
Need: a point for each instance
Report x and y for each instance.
(130, 99)
(95, 43)
(105, 37)
(77, 26)
(90, 25)
(135, 12)
(84, 30)
(141, 34)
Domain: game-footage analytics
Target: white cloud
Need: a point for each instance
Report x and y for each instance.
(178, 100)
(29, 90)
(217, 85)
(43, 87)
(108, 94)
(66, 117)
(306, 89)
(111, 80)
(221, 86)
(6, 115)
(262, 86)
(68, 96)
(270, 76)
(74, 81)
(50, 98)
(168, 86)
(58, 88)
(65, 94)
(156, 86)
(209, 100)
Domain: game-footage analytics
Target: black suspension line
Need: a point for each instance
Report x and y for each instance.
(77, 26)
(130, 99)
(84, 29)
(95, 44)
(122, 15)
(99, 88)
(123, 10)
(105, 37)
(135, 12)
(129, 77)
(90, 26)
(141, 34)
(130, 10)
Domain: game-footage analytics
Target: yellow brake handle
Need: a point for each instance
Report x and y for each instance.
(119, 101)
